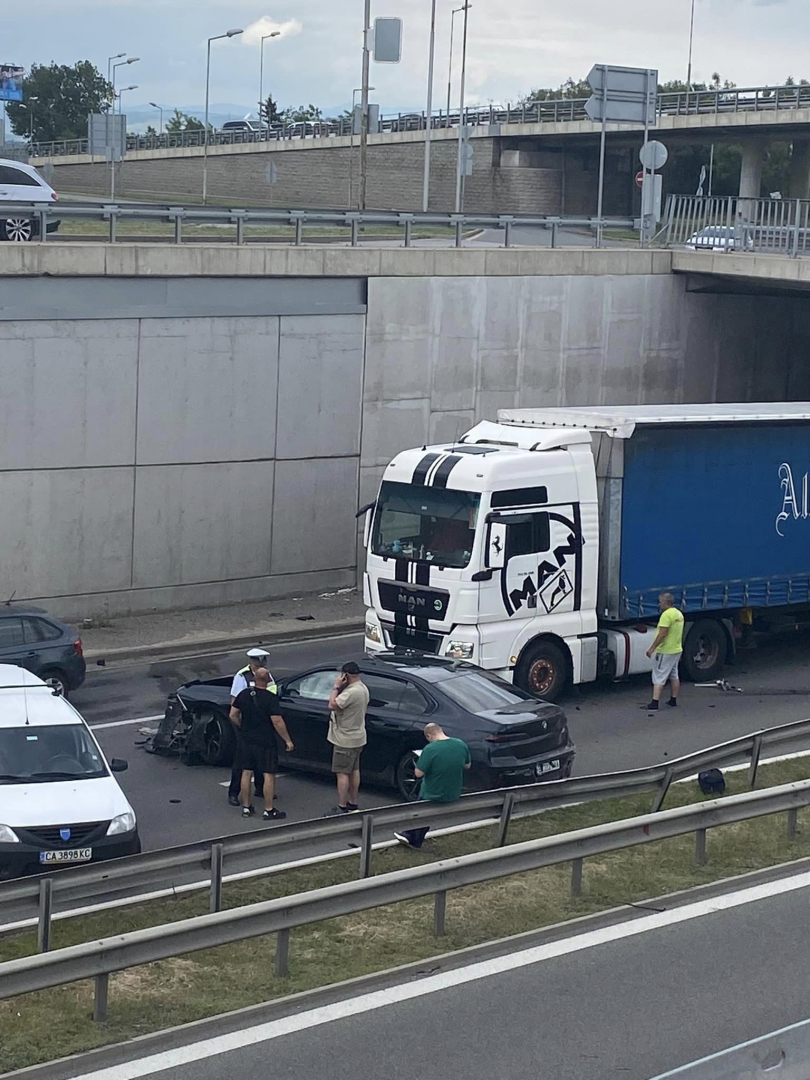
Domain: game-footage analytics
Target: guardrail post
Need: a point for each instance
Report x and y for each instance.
(282, 963)
(366, 847)
(507, 233)
(793, 822)
(45, 908)
(408, 232)
(756, 750)
(439, 913)
(113, 225)
(299, 230)
(240, 230)
(506, 817)
(459, 232)
(354, 232)
(100, 997)
(576, 877)
(700, 847)
(554, 234)
(43, 225)
(178, 229)
(661, 794)
(217, 858)
(795, 246)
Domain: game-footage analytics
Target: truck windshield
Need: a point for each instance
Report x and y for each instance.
(424, 524)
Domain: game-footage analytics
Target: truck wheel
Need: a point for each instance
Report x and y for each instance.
(543, 670)
(704, 651)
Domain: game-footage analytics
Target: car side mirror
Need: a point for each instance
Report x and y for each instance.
(119, 765)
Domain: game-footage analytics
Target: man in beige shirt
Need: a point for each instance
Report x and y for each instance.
(347, 734)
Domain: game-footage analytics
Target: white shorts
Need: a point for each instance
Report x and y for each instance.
(665, 667)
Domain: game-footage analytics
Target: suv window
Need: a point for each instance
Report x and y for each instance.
(11, 633)
(9, 175)
(388, 693)
(40, 630)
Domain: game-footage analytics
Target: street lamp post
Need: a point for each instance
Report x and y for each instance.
(121, 92)
(691, 35)
(429, 109)
(261, 75)
(364, 104)
(355, 92)
(461, 124)
(453, 14)
(217, 37)
(159, 108)
(110, 148)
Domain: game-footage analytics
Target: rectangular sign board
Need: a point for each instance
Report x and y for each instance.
(107, 135)
(387, 41)
(622, 94)
(11, 82)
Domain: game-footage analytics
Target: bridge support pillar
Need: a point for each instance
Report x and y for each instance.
(800, 169)
(753, 155)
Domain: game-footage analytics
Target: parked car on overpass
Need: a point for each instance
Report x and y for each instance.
(720, 238)
(21, 183)
(513, 736)
(33, 639)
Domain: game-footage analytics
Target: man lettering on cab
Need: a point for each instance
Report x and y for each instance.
(347, 734)
(665, 652)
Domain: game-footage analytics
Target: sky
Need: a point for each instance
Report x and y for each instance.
(513, 45)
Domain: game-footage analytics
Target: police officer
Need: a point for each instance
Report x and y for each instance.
(257, 658)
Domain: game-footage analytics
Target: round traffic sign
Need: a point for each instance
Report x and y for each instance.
(653, 155)
(640, 178)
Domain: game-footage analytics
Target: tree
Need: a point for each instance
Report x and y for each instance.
(65, 96)
(183, 122)
(150, 131)
(301, 115)
(268, 111)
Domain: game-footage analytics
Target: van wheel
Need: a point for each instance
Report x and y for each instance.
(543, 670)
(217, 739)
(704, 651)
(18, 229)
(56, 679)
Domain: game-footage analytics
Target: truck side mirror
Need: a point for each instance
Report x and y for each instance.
(366, 513)
(496, 545)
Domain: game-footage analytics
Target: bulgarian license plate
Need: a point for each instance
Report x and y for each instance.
(546, 766)
(81, 854)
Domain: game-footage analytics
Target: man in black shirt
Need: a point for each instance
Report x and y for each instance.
(255, 715)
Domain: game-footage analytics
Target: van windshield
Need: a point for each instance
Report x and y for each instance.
(423, 524)
(47, 754)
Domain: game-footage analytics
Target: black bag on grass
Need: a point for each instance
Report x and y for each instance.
(711, 782)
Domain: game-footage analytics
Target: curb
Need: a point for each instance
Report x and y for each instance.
(224, 642)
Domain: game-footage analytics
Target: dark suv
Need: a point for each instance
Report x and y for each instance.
(33, 639)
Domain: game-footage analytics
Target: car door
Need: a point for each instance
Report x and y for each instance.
(304, 703)
(13, 648)
(19, 186)
(396, 709)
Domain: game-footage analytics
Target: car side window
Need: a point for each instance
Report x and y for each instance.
(388, 693)
(9, 175)
(40, 630)
(11, 633)
(317, 686)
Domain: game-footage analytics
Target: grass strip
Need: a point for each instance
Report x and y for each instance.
(183, 989)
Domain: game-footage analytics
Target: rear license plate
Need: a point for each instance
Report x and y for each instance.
(547, 766)
(82, 854)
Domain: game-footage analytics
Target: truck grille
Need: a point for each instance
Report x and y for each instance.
(49, 836)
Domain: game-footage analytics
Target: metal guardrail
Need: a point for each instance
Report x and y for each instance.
(99, 959)
(736, 225)
(780, 1055)
(551, 111)
(155, 869)
(116, 214)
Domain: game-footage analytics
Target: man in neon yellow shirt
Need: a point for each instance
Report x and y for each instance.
(666, 652)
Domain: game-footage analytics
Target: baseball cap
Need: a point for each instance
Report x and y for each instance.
(256, 653)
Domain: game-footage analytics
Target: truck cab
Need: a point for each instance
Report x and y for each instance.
(487, 550)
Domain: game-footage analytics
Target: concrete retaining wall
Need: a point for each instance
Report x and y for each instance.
(214, 445)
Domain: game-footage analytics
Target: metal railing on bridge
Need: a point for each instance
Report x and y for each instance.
(780, 1055)
(551, 111)
(737, 225)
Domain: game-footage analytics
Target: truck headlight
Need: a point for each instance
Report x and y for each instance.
(8, 836)
(122, 824)
(373, 632)
(459, 650)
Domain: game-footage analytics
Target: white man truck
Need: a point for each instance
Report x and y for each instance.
(537, 547)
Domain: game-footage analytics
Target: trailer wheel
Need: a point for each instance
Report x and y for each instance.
(704, 651)
(543, 670)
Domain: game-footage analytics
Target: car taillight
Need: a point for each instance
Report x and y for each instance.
(77, 647)
(507, 737)
(54, 196)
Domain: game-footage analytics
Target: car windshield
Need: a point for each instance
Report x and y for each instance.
(423, 524)
(43, 754)
(478, 692)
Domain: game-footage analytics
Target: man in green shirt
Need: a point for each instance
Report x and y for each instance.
(441, 769)
(665, 652)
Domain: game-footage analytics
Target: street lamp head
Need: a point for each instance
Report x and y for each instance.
(233, 33)
(154, 104)
(124, 89)
(118, 56)
(276, 33)
(132, 60)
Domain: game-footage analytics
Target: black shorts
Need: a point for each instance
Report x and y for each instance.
(253, 758)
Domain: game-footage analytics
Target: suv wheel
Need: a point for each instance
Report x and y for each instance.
(56, 679)
(18, 229)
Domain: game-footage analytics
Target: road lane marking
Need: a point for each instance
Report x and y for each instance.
(498, 965)
(126, 723)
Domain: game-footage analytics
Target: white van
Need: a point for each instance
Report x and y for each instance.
(59, 802)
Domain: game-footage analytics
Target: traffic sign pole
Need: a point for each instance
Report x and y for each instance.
(599, 199)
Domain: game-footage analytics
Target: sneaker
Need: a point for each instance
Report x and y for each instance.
(248, 811)
(233, 800)
(273, 815)
(337, 811)
(673, 703)
(352, 807)
(403, 839)
(652, 707)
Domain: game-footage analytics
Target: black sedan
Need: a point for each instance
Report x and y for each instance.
(513, 737)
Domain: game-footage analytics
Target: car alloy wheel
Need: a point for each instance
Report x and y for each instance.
(56, 680)
(19, 229)
(405, 779)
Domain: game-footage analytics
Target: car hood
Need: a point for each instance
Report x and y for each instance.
(65, 801)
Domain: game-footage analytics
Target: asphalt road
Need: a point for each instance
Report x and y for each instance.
(177, 804)
(695, 979)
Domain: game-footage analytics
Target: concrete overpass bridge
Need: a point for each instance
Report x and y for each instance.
(540, 158)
